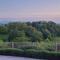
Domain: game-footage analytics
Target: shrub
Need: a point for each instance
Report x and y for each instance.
(30, 53)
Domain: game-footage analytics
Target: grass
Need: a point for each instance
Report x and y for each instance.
(57, 39)
(3, 37)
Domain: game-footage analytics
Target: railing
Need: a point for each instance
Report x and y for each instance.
(17, 44)
(55, 47)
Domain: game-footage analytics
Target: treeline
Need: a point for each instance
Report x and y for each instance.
(30, 31)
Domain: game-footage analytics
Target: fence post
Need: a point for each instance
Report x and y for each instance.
(12, 45)
(56, 46)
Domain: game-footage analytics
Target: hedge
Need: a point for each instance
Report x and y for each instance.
(50, 55)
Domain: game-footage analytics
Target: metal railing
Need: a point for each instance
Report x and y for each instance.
(55, 47)
(17, 44)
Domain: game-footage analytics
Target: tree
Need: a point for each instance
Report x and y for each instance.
(12, 35)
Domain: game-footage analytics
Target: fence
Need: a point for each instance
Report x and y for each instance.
(55, 47)
(17, 44)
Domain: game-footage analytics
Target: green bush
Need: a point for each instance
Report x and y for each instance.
(30, 53)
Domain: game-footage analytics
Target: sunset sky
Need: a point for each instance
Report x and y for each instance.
(29, 8)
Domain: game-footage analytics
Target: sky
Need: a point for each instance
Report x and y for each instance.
(29, 8)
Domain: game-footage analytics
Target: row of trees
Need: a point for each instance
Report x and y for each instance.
(33, 32)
